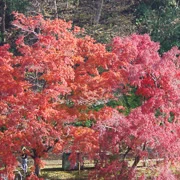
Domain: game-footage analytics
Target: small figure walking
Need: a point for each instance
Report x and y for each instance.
(24, 160)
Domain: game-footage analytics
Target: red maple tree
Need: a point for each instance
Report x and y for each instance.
(56, 76)
(46, 85)
(152, 129)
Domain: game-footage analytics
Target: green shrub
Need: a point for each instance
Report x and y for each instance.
(161, 20)
(16, 5)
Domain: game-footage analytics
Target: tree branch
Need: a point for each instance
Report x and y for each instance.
(127, 151)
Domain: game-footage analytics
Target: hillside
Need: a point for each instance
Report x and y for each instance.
(116, 16)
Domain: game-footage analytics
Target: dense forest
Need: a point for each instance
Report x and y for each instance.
(104, 19)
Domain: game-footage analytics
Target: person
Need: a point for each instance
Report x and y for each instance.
(24, 160)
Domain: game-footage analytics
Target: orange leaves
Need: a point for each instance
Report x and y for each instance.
(56, 26)
(63, 58)
(77, 59)
(27, 24)
(104, 114)
(85, 140)
(57, 148)
(82, 131)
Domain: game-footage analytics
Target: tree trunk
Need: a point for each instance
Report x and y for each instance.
(126, 153)
(137, 158)
(67, 4)
(136, 161)
(99, 6)
(3, 21)
(36, 159)
(55, 9)
(37, 167)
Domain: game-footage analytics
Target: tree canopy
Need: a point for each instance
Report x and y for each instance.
(56, 76)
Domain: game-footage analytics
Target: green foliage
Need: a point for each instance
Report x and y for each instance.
(161, 20)
(87, 123)
(114, 103)
(128, 101)
(131, 101)
(101, 70)
(154, 5)
(3, 128)
(97, 107)
(171, 117)
(16, 5)
(158, 113)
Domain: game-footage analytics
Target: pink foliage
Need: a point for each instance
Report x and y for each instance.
(143, 133)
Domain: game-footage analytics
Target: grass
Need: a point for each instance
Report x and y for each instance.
(57, 174)
(53, 169)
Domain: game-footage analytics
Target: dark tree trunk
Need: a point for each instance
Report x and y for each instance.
(3, 20)
(126, 153)
(37, 168)
(136, 161)
(36, 158)
(36, 162)
(137, 158)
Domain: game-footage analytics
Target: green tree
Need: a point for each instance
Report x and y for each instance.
(161, 20)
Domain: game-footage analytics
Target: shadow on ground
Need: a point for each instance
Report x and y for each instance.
(59, 173)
